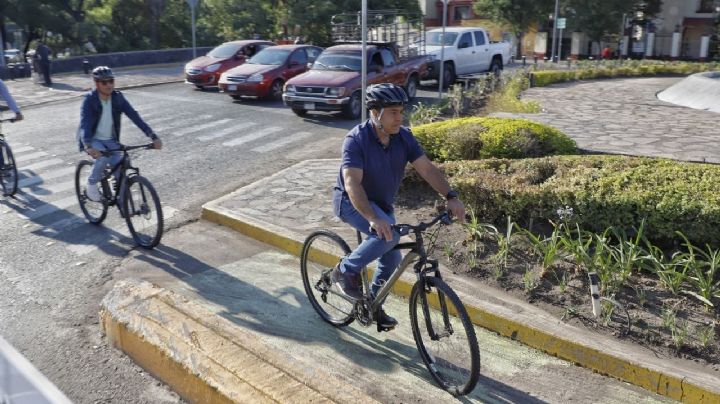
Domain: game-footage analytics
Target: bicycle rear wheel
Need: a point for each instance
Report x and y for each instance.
(8, 170)
(95, 212)
(317, 260)
(445, 336)
(143, 212)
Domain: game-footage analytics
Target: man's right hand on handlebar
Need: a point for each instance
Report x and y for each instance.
(157, 143)
(382, 228)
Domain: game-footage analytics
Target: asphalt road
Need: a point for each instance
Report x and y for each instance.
(55, 268)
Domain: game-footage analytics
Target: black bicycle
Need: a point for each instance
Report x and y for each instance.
(8, 169)
(132, 193)
(441, 326)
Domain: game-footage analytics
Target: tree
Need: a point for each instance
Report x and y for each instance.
(519, 15)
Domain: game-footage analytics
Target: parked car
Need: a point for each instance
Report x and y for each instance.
(205, 71)
(333, 83)
(12, 56)
(468, 50)
(265, 73)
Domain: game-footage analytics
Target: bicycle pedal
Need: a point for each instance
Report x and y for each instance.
(381, 328)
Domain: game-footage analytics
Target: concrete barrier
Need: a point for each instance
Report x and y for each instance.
(121, 59)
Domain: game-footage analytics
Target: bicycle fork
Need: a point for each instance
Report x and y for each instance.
(426, 288)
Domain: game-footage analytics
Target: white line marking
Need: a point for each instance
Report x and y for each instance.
(238, 127)
(257, 135)
(181, 122)
(22, 149)
(30, 156)
(37, 179)
(41, 164)
(50, 207)
(198, 128)
(282, 142)
(57, 188)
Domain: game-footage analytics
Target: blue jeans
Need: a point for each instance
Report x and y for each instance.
(372, 248)
(100, 163)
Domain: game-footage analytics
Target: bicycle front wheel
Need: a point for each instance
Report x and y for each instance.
(318, 258)
(94, 212)
(444, 336)
(142, 211)
(8, 170)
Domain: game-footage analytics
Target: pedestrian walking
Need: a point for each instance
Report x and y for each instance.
(42, 55)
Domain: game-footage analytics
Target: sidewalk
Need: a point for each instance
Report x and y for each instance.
(29, 92)
(281, 210)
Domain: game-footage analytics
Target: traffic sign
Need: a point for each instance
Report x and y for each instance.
(561, 23)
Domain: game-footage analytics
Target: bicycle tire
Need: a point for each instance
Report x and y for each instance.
(316, 269)
(8, 170)
(139, 197)
(95, 212)
(456, 368)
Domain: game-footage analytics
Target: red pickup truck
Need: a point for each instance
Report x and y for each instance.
(333, 83)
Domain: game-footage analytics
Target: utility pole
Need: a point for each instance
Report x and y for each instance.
(193, 4)
(363, 68)
(442, 51)
(554, 39)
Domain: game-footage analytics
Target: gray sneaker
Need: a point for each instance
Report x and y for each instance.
(348, 283)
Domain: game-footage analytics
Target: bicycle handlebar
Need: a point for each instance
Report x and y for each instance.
(405, 229)
(128, 148)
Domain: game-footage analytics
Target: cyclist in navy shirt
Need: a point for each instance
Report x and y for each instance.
(374, 156)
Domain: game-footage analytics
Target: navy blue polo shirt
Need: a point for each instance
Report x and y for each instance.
(383, 167)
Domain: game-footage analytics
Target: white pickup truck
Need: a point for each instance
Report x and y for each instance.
(468, 50)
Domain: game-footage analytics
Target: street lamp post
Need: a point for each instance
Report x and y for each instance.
(555, 18)
(441, 74)
(193, 4)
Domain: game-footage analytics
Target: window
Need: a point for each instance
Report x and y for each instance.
(479, 38)
(462, 13)
(465, 41)
(313, 53)
(706, 6)
(387, 57)
(299, 56)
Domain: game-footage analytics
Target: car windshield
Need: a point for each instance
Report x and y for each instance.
(435, 38)
(224, 51)
(270, 56)
(338, 61)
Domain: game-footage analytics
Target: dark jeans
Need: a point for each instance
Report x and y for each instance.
(45, 69)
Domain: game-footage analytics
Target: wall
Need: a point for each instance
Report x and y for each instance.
(121, 59)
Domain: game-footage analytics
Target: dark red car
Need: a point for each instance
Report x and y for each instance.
(205, 71)
(265, 73)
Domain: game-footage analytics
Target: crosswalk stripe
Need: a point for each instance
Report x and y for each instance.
(238, 127)
(198, 128)
(50, 207)
(282, 142)
(58, 187)
(181, 122)
(163, 119)
(31, 156)
(249, 138)
(21, 149)
(37, 179)
(41, 164)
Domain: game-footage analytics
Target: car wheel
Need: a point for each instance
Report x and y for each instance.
(351, 110)
(236, 97)
(276, 90)
(411, 87)
(199, 87)
(448, 75)
(496, 67)
(299, 112)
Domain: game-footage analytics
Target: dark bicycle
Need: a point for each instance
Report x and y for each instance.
(132, 193)
(8, 169)
(441, 326)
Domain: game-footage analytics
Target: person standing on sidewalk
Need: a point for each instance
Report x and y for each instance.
(374, 156)
(42, 53)
(100, 126)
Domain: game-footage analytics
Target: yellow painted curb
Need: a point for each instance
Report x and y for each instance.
(604, 363)
(156, 362)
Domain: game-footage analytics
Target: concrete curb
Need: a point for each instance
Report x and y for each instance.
(203, 357)
(603, 356)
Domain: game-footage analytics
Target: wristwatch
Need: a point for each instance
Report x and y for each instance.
(452, 194)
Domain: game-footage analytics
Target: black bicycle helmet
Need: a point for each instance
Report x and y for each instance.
(102, 72)
(383, 95)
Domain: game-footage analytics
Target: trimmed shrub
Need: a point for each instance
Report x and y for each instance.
(596, 70)
(602, 191)
(473, 138)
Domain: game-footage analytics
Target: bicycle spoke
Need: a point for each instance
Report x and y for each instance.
(143, 213)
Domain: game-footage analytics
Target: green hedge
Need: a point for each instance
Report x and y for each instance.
(587, 71)
(474, 137)
(602, 191)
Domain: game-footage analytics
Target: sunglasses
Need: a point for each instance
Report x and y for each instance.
(106, 82)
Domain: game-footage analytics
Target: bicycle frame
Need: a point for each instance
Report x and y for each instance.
(126, 170)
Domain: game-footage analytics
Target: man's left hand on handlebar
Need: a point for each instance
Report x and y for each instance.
(157, 143)
(18, 117)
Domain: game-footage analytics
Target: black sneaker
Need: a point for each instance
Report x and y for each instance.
(348, 283)
(385, 321)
